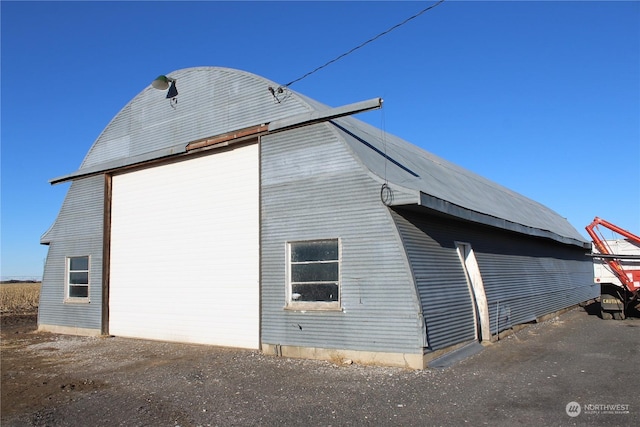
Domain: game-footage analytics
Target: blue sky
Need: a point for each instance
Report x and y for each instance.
(542, 97)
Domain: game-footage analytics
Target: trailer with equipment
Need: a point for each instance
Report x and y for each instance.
(616, 267)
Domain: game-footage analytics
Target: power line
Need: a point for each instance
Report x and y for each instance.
(365, 43)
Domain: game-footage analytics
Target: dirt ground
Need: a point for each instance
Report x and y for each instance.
(528, 378)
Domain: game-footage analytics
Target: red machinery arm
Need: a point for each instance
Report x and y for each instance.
(602, 247)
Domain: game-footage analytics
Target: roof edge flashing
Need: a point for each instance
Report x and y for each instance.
(313, 117)
(457, 211)
(121, 163)
(287, 123)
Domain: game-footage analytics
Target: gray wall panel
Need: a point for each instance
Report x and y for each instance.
(313, 188)
(441, 282)
(524, 277)
(532, 279)
(77, 232)
(211, 101)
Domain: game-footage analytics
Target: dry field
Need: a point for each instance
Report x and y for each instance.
(19, 298)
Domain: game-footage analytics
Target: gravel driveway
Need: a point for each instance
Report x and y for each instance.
(527, 379)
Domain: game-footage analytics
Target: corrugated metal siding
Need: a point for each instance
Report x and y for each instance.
(313, 188)
(212, 101)
(528, 279)
(77, 232)
(524, 277)
(440, 279)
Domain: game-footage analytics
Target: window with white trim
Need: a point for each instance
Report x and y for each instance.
(314, 274)
(78, 278)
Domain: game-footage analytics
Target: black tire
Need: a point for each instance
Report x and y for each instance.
(619, 315)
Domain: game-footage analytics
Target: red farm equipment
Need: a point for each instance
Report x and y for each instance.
(616, 267)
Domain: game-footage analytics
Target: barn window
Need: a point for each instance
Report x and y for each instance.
(314, 274)
(78, 278)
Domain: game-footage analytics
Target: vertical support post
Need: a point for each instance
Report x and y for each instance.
(106, 254)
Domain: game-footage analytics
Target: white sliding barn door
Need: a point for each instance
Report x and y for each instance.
(184, 262)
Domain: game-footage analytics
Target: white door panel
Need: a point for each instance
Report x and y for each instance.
(185, 251)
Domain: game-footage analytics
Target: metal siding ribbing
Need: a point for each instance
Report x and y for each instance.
(527, 279)
(212, 101)
(312, 188)
(440, 280)
(524, 278)
(77, 232)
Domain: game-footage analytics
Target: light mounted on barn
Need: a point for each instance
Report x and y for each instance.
(275, 93)
(163, 83)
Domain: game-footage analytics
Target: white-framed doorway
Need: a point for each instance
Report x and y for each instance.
(476, 288)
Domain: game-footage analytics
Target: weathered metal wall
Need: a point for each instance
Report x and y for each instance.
(323, 181)
(524, 277)
(446, 302)
(211, 101)
(524, 281)
(313, 188)
(77, 231)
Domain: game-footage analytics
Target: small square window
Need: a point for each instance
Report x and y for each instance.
(314, 275)
(78, 278)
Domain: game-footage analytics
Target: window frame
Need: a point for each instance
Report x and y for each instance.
(291, 304)
(69, 285)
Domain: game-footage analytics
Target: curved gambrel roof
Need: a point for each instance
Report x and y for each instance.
(215, 100)
(211, 101)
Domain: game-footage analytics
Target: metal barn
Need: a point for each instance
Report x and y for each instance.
(249, 217)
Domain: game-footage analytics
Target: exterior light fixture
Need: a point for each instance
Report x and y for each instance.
(275, 93)
(173, 92)
(163, 83)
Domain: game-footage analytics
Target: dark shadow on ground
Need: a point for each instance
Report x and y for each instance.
(592, 308)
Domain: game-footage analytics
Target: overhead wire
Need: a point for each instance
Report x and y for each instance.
(386, 194)
(426, 9)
